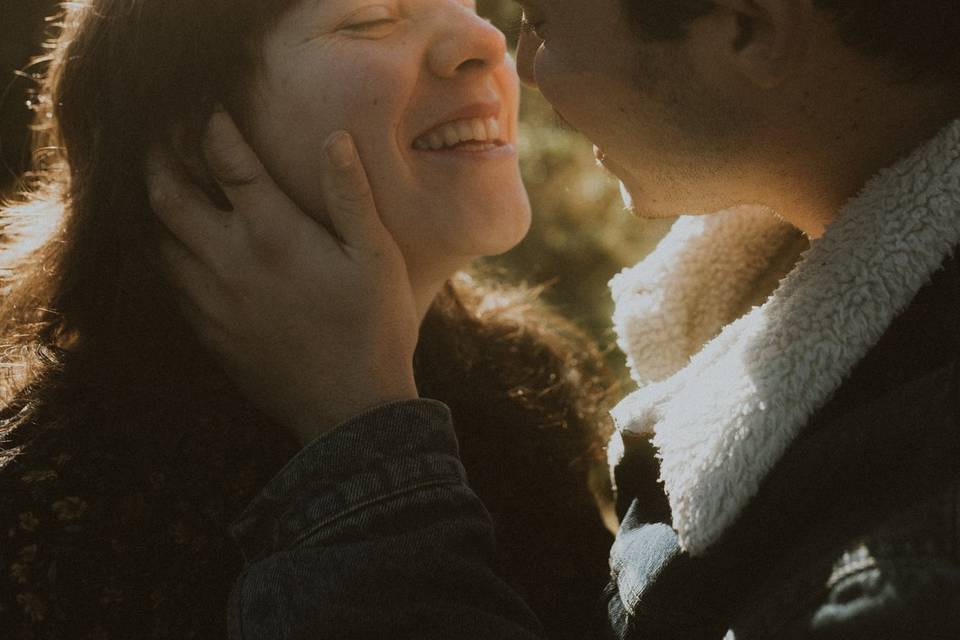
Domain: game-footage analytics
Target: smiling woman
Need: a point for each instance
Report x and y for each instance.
(127, 451)
(407, 75)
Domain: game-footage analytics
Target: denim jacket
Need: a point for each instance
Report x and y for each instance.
(372, 532)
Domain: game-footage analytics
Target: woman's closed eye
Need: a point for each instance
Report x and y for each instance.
(374, 21)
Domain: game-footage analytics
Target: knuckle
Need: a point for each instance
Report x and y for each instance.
(259, 236)
(355, 190)
(164, 198)
(156, 196)
(271, 250)
(227, 279)
(226, 154)
(231, 168)
(227, 274)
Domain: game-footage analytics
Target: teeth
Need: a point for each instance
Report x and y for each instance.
(479, 130)
(453, 133)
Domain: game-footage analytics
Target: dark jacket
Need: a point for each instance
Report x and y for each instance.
(114, 511)
(809, 452)
(833, 461)
(855, 532)
(373, 532)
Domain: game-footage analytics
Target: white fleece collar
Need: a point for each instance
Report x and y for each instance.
(723, 418)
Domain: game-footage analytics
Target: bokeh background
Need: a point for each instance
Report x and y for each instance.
(581, 234)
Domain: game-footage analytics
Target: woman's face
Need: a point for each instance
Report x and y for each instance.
(431, 98)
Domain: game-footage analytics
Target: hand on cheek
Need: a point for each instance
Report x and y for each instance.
(313, 326)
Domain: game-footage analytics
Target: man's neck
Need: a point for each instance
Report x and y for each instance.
(858, 145)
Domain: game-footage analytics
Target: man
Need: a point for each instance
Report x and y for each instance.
(809, 451)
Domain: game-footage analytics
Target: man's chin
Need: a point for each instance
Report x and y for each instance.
(643, 208)
(636, 206)
(646, 209)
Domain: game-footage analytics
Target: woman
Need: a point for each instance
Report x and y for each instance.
(127, 451)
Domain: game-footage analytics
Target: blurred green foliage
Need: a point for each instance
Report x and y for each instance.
(581, 233)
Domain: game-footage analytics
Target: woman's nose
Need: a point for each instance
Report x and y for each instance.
(468, 43)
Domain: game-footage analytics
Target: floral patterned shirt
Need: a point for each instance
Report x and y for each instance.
(109, 536)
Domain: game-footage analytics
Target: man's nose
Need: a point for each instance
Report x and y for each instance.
(469, 43)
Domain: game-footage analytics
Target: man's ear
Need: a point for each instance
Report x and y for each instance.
(767, 39)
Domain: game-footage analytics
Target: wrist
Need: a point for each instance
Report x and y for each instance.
(310, 423)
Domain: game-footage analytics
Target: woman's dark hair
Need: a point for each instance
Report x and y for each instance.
(918, 38)
(87, 321)
(122, 75)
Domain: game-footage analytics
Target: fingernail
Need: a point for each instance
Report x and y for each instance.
(340, 150)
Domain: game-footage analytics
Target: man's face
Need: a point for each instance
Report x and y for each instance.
(644, 104)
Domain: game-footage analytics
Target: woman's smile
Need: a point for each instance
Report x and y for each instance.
(431, 98)
(473, 139)
(472, 126)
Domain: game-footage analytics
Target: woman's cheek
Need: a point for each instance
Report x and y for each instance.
(376, 107)
(509, 82)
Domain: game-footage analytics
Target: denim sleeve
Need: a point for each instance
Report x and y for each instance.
(372, 532)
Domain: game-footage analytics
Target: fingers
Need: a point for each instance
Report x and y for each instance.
(246, 183)
(181, 206)
(267, 210)
(189, 275)
(197, 290)
(263, 208)
(228, 155)
(347, 195)
(239, 172)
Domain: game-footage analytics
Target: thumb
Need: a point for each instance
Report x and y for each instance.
(347, 195)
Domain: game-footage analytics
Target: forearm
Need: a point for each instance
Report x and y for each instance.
(372, 531)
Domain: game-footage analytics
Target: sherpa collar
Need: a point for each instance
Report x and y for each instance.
(722, 418)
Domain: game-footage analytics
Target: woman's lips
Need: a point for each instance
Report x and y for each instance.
(458, 133)
(471, 152)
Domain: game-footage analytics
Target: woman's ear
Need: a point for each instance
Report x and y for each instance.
(766, 40)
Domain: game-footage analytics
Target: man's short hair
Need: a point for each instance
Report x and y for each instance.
(921, 38)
